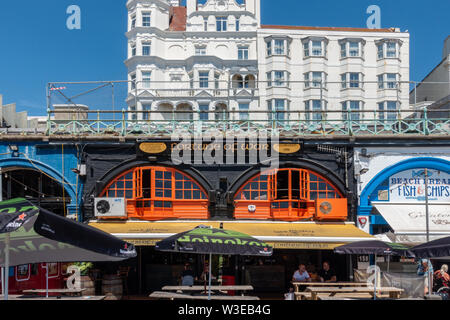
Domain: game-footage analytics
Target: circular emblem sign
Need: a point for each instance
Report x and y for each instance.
(153, 148)
(286, 148)
(325, 207)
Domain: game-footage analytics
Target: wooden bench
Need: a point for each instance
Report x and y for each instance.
(61, 291)
(222, 289)
(302, 295)
(174, 296)
(332, 291)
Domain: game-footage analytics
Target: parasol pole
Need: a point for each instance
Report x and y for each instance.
(376, 279)
(209, 289)
(46, 280)
(7, 242)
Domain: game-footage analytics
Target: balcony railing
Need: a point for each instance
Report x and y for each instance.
(299, 123)
(169, 107)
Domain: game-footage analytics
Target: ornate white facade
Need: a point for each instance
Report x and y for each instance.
(217, 57)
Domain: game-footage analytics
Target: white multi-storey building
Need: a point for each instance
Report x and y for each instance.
(217, 57)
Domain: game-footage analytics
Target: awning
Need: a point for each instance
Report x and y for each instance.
(280, 235)
(409, 220)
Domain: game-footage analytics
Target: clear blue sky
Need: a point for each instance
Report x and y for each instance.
(36, 47)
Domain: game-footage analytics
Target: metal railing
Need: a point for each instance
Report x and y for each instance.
(299, 123)
(333, 119)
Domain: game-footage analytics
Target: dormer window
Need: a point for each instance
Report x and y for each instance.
(314, 47)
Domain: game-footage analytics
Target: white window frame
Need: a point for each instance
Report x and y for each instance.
(383, 50)
(350, 104)
(348, 83)
(221, 24)
(309, 51)
(200, 50)
(311, 106)
(133, 49)
(273, 106)
(277, 47)
(146, 107)
(202, 79)
(385, 83)
(244, 116)
(384, 116)
(133, 21)
(146, 45)
(243, 52)
(145, 15)
(133, 81)
(146, 79)
(274, 79)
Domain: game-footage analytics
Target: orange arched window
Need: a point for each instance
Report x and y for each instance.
(155, 193)
(291, 195)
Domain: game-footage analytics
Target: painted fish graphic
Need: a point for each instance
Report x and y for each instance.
(421, 173)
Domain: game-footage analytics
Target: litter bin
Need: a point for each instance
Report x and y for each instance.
(229, 281)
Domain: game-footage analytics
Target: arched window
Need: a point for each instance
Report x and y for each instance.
(289, 194)
(155, 193)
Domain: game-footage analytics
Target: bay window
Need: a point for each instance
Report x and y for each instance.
(315, 79)
(388, 81)
(351, 106)
(351, 80)
(351, 48)
(314, 47)
(314, 109)
(388, 49)
(277, 47)
(387, 110)
(274, 107)
(277, 78)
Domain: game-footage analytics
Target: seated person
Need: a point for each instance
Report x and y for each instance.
(301, 275)
(327, 274)
(187, 276)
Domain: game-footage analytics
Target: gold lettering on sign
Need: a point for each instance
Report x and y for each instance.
(152, 148)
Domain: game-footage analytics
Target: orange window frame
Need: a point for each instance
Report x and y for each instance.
(289, 204)
(165, 201)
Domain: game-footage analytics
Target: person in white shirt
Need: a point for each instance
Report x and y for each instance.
(301, 275)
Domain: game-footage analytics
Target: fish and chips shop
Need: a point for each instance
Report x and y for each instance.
(398, 190)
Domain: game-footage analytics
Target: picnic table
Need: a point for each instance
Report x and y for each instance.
(24, 297)
(61, 291)
(328, 284)
(307, 295)
(173, 296)
(394, 293)
(242, 288)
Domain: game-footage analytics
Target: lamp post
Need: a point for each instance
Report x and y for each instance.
(428, 231)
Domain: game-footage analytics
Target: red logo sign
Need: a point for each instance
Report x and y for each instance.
(362, 221)
(22, 217)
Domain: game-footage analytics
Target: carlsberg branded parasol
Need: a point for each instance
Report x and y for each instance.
(206, 240)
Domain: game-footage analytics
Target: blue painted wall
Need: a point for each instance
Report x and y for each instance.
(55, 160)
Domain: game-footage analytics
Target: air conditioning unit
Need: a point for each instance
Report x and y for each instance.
(110, 208)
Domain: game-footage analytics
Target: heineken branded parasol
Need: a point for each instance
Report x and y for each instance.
(206, 240)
